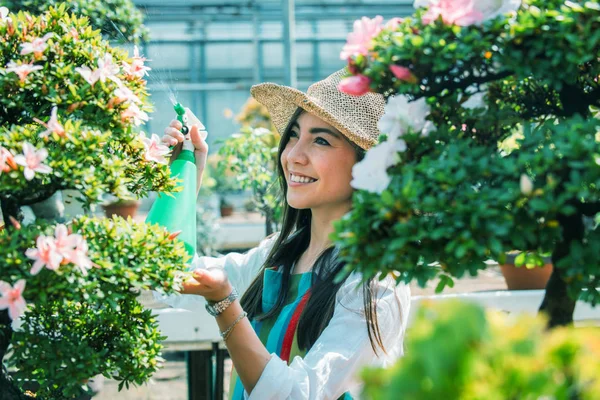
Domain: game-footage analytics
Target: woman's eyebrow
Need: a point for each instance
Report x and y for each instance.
(319, 130)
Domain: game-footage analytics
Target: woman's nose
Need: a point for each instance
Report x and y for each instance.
(297, 153)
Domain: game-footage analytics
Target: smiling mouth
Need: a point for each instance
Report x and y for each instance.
(301, 179)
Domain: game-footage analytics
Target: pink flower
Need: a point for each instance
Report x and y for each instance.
(78, 255)
(53, 126)
(22, 70)
(465, 12)
(7, 161)
(107, 69)
(155, 151)
(123, 93)
(36, 46)
(32, 159)
(403, 73)
(359, 41)
(133, 111)
(45, 255)
(356, 85)
(12, 298)
(137, 67)
(393, 23)
(64, 242)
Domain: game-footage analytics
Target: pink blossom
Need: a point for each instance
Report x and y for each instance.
(393, 23)
(403, 73)
(137, 67)
(356, 85)
(12, 298)
(32, 160)
(22, 70)
(133, 111)
(123, 93)
(107, 69)
(359, 41)
(37, 46)
(45, 255)
(64, 242)
(78, 255)
(465, 12)
(53, 126)
(155, 151)
(7, 161)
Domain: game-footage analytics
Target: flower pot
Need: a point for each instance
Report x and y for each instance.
(122, 209)
(523, 278)
(226, 211)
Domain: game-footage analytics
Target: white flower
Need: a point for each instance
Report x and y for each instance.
(370, 174)
(137, 67)
(402, 116)
(90, 76)
(3, 13)
(107, 69)
(526, 185)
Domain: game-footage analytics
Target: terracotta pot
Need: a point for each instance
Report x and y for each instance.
(128, 209)
(523, 278)
(226, 211)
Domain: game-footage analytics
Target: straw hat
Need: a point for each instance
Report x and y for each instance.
(354, 116)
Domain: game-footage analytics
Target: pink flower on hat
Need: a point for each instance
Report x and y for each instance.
(155, 151)
(12, 298)
(32, 160)
(359, 41)
(45, 255)
(22, 70)
(356, 85)
(37, 46)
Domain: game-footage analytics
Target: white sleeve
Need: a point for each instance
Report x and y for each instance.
(241, 270)
(330, 368)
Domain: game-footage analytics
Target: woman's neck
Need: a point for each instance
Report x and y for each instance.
(321, 227)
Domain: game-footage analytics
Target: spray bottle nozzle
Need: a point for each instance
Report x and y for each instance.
(182, 117)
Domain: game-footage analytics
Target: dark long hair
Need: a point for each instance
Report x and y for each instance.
(292, 241)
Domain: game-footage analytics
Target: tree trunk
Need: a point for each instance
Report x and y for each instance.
(8, 390)
(557, 303)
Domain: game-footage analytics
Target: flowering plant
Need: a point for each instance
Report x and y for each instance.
(443, 193)
(69, 113)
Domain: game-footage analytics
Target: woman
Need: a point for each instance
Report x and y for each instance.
(297, 333)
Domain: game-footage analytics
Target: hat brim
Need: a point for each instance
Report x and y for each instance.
(283, 101)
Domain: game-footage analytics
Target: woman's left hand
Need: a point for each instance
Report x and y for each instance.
(210, 283)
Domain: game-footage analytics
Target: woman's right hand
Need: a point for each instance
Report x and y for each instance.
(174, 137)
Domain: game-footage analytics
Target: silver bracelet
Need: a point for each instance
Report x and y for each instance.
(225, 334)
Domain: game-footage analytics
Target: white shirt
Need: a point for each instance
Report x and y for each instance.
(330, 367)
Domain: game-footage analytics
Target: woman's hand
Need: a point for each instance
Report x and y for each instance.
(210, 283)
(174, 137)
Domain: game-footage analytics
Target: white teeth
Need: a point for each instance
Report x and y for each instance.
(301, 179)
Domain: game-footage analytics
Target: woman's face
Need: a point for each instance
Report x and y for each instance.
(317, 162)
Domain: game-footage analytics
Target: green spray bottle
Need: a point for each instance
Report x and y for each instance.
(177, 211)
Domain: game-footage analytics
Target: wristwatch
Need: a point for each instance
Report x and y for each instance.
(215, 308)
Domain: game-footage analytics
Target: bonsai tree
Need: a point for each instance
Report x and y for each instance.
(69, 112)
(441, 194)
(459, 352)
(251, 155)
(119, 20)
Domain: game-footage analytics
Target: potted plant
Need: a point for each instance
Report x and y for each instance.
(121, 208)
(70, 308)
(438, 196)
(523, 271)
(225, 207)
